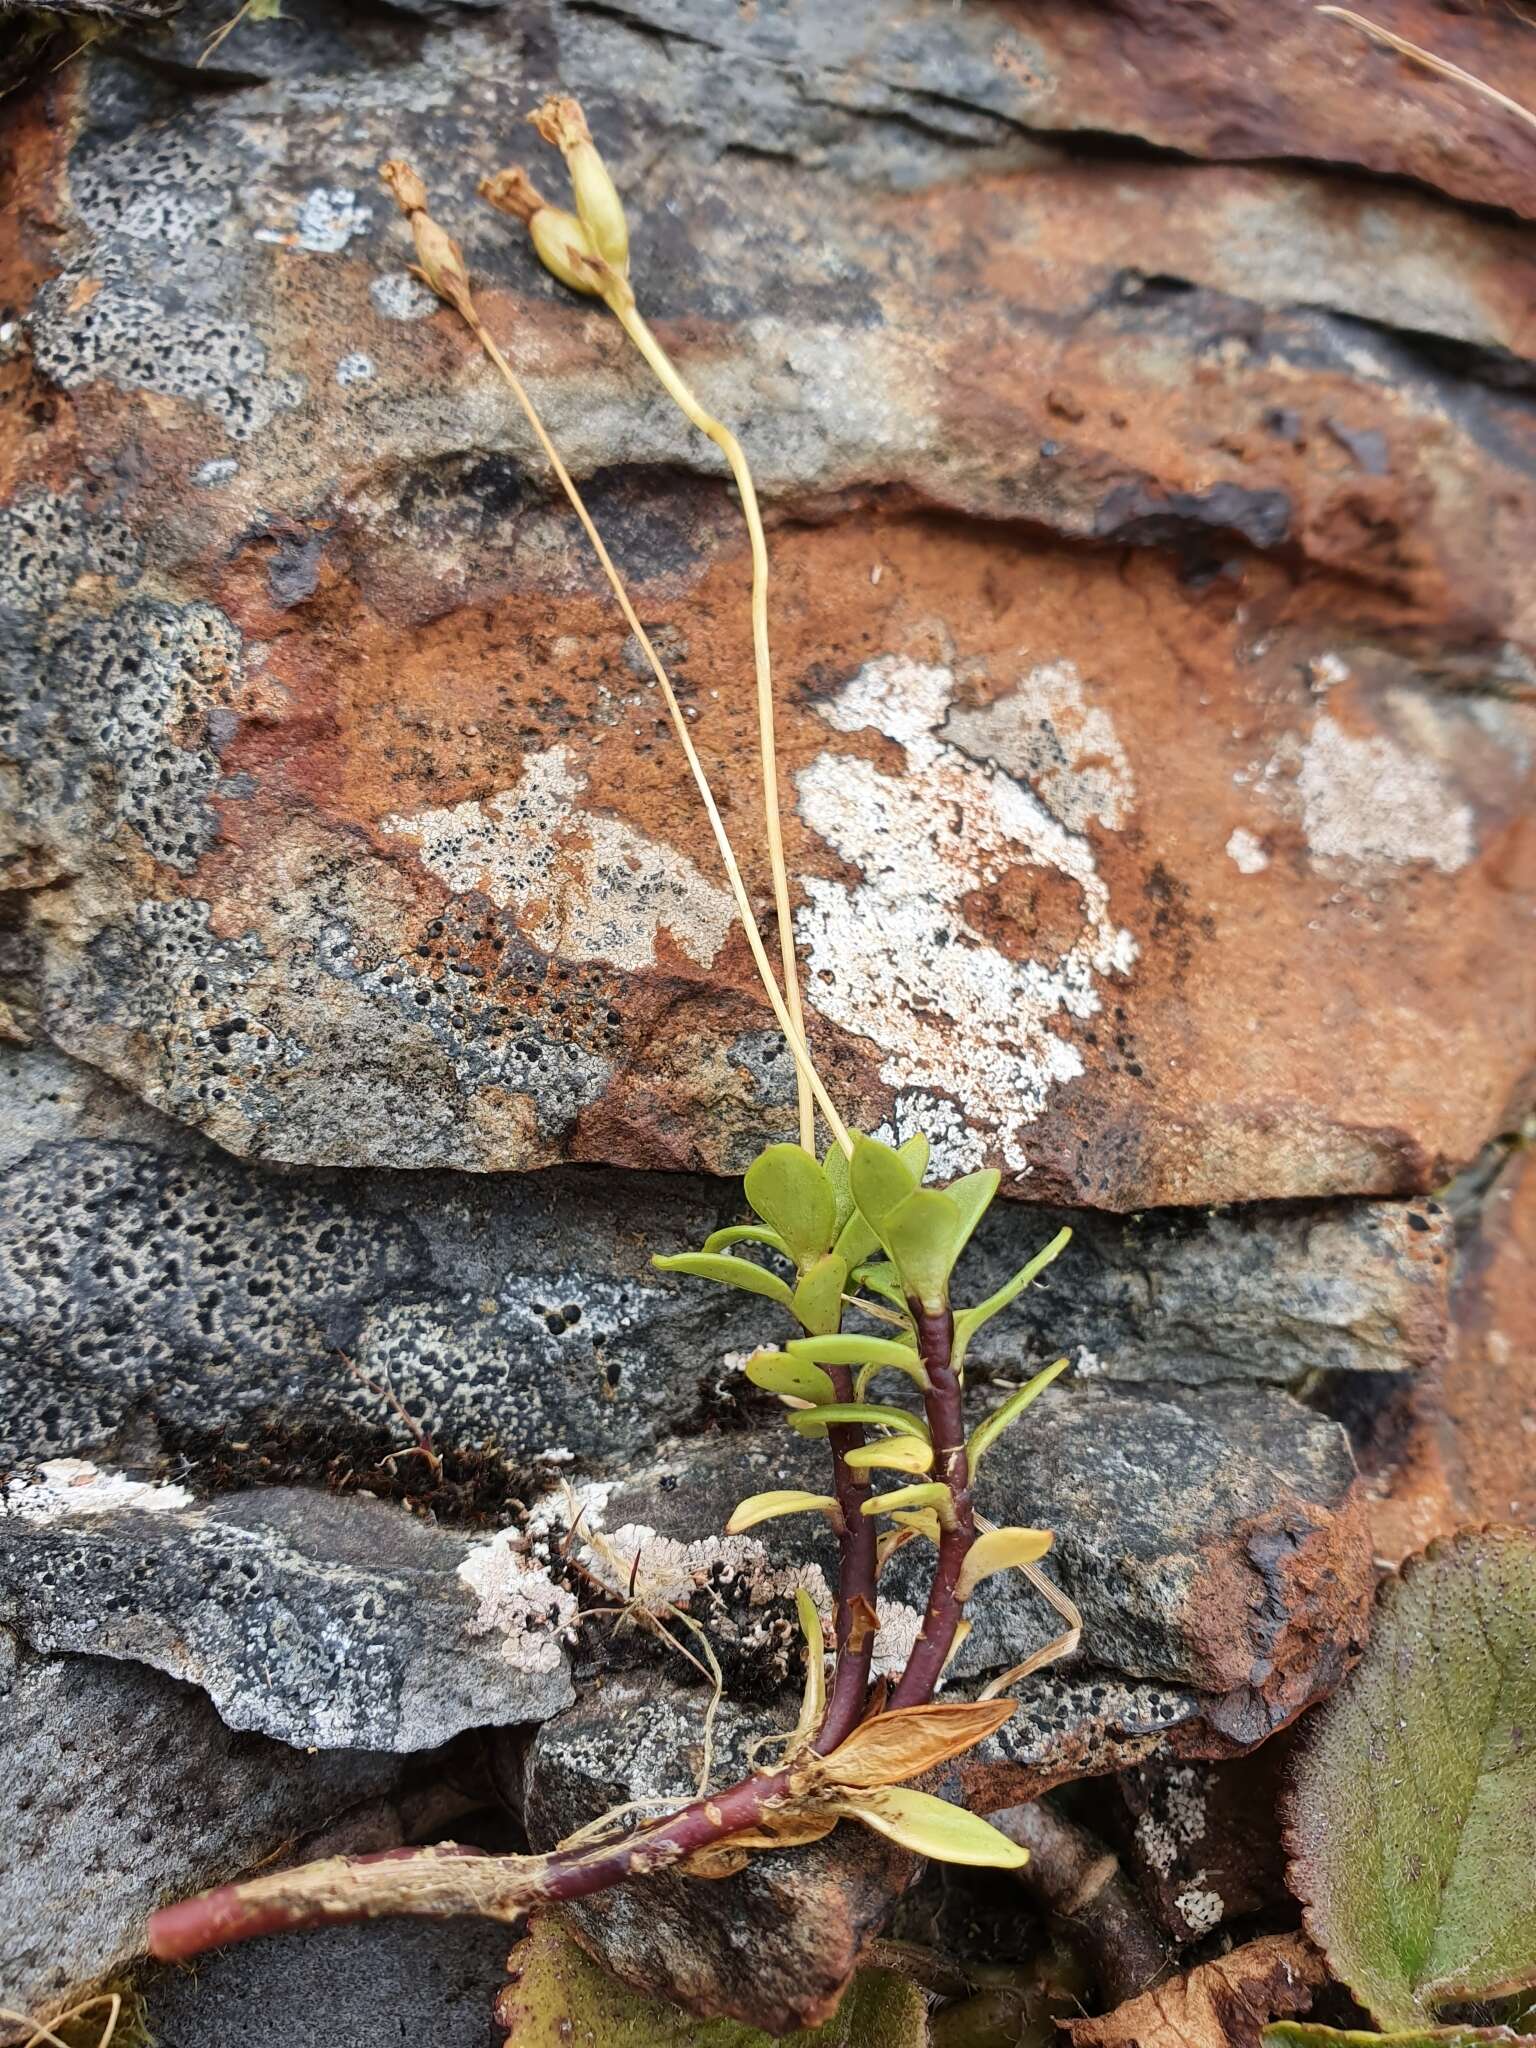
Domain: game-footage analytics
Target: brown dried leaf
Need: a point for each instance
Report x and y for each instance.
(1223, 2004)
(905, 1744)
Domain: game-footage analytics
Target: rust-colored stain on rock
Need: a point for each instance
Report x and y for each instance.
(1150, 613)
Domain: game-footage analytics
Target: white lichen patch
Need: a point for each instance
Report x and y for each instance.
(1372, 803)
(1175, 1823)
(952, 1148)
(399, 296)
(896, 959)
(897, 1639)
(327, 219)
(1046, 733)
(355, 369)
(1201, 1910)
(583, 886)
(66, 1487)
(1246, 852)
(518, 1601)
(637, 1563)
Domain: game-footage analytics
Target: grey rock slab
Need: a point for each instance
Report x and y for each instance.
(157, 1295)
(123, 1792)
(326, 1622)
(432, 1982)
(766, 1946)
(1212, 1539)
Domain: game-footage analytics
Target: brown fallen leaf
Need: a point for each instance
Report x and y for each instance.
(1224, 2004)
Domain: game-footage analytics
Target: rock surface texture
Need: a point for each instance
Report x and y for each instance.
(1152, 616)
(1143, 400)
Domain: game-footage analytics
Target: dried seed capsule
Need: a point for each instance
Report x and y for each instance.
(562, 122)
(438, 256)
(410, 193)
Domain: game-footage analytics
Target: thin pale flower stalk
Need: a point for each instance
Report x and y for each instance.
(632, 321)
(1417, 54)
(591, 254)
(442, 269)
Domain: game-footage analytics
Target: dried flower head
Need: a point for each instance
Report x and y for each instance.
(513, 191)
(439, 260)
(560, 241)
(410, 194)
(561, 122)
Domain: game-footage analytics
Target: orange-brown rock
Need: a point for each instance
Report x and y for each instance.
(1153, 602)
(1456, 1447)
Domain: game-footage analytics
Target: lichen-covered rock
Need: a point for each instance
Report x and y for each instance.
(1214, 1542)
(1153, 660)
(329, 1624)
(123, 1792)
(161, 1300)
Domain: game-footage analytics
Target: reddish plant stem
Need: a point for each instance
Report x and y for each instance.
(445, 1880)
(944, 1406)
(855, 1634)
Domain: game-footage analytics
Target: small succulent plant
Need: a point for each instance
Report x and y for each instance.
(855, 1232)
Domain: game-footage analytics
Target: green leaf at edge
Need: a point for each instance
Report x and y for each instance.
(1306, 2034)
(558, 1995)
(1412, 1812)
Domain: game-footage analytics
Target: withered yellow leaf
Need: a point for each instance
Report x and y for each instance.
(998, 1551)
(932, 1827)
(762, 1507)
(892, 1454)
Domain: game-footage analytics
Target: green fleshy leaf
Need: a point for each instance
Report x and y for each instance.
(848, 1348)
(973, 1196)
(924, 1236)
(834, 1165)
(969, 1320)
(728, 1272)
(766, 1507)
(819, 1296)
(557, 1997)
(1412, 1822)
(911, 1365)
(780, 1372)
(880, 1277)
(987, 1433)
(746, 1233)
(788, 1189)
(812, 1421)
(881, 1179)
